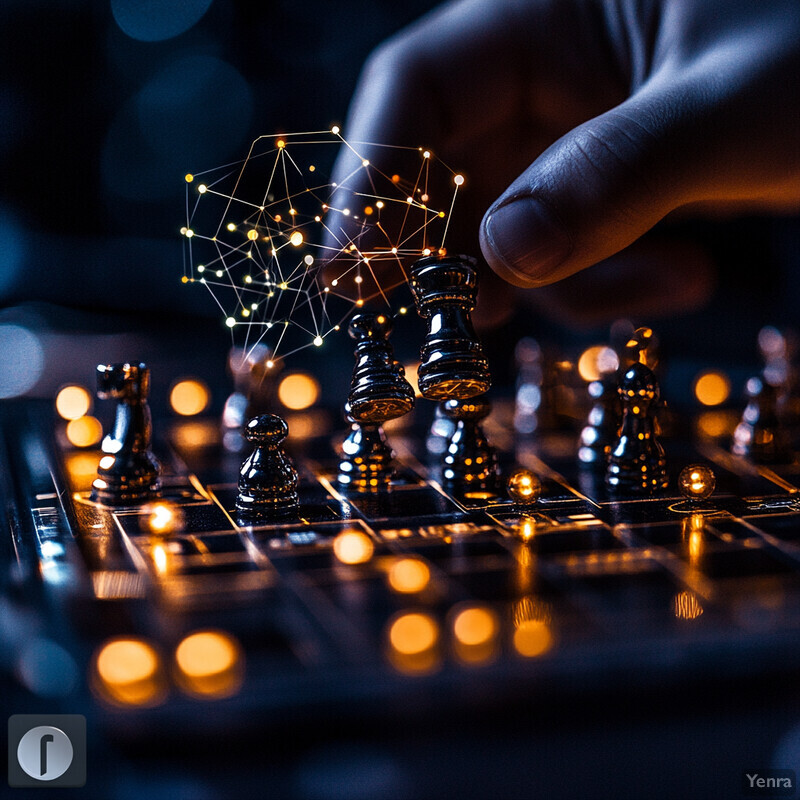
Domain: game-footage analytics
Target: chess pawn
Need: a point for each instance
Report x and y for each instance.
(128, 472)
(379, 390)
(469, 461)
(366, 464)
(453, 365)
(602, 424)
(636, 463)
(759, 436)
(267, 478)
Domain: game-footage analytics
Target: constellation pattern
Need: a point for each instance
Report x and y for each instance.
(288, 256)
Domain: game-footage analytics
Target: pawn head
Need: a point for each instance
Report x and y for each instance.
(267, 429)
(370, 326)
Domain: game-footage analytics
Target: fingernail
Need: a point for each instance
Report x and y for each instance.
(527, 241)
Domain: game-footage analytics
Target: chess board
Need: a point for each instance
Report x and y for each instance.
(405, 602)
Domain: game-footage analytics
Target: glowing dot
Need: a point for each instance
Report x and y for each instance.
(283, 285)
(458, 180)
(409, 575)
(281, 144)
(412, 634)
(248, 279)
(368, 210)
(201, 268)
(296, 238)
(245, 312)
(335, 282)
(524, 487)
(84, 431)
(230, 322)
(475, 626)
(309, 260)
(346, 212)
(379, 204)
(270, 364)
(712, 388)
(252, 235)
(188, 177)
(161, 519)
(127, 670)
(189, 397)
(184, 279)
(409, 199)
(358, 279)
(189, 233)
(394, 250)
(532, 638)
(359, 302)
(183, 230)
(202, 188)
(219, 273)
(298, 391)
(253, 306)
(335, 129)
(402, 310)
(311, 168)
(206, 653)
(317, 218)
(426, 154)
(292, 212)
(395, 179)
(365, 163)
(441, 213)
(317, 341)
(597, 361)
(353, 547)
(426, 251)
(73, 402)
(230, 226)
(424, 198)
(278, 218)
(326, 289)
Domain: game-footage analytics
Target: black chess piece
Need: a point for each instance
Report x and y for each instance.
(128, 472)
(636, 463)
(469, 461)
(379, 390)
(601, 430)
(760, 436)
(267, 478)
(367, 463)
(453, 365)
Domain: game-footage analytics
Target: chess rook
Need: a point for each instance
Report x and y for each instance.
(367, 463)
(453, 365)
(636, 463)
(128, 472)
(469, 461)
(379, 390)
(267, 478)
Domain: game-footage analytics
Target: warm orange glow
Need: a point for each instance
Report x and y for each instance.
(532, 638)
(128, 672)
(160, 559)
(413, 633)
(409, 575)
(298, 391)
(163, 518)
(475, 626)
(84, 431)
(209, 664)
(717, 423)
(712, 388)
(296, 239)
(189, 397)
(526, 529)
(686, 606)
(73, 402)
(353, 547)
(252, 235)
(597, 361)
(524, 487)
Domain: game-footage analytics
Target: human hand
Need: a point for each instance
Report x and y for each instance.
(581, 124)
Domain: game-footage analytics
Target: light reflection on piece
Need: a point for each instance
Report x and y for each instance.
(129, 672)
(686, 606)
(353, 547)
(210, 664)
(160, 559)
(413, 639)
(409, 575)
(693, 530)
(526, 529)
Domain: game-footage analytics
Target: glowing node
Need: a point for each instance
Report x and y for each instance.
(183, 230)
(253, 306)
(409, 199)
(359, 302)
(426, 251)
(231, 226)
(252, 235)
(318, 218)
(219, 273)
(292, 212)
(283, 285)
(189, 233)
(245, 312)
(188, 177)
(184, 279)
(394, 250)
(346, 212)
(395, 179)
(402, 310)
(311, 168)
(458, 180)
(368, 210)
(281, 144)
(202, 188)
(335, 130)
(379, 204)
(270, 364)
(308, 260)
(334, 282)
(230, 322)
(201, 268)
(426, 154)
(365, 163)
(317, 341)
(248, 279)
(358, 279)
(296, 239)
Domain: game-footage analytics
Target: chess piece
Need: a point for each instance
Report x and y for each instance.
(760, 436)
(469, 461)
(696, 482)
(267, 478)
(602, 424)
(366, 464)
(453, 365)
(128, 471)
(442, 428)
(524, 488)
(529, 386)
(379, 390)
(636, 463)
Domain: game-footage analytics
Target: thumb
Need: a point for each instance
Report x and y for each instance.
(592, 193)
